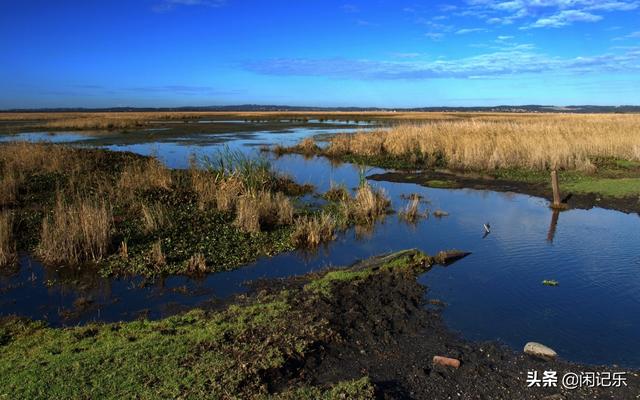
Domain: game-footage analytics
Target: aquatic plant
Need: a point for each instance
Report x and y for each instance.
(255, 172)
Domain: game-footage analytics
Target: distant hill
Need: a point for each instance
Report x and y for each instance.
(266, 108)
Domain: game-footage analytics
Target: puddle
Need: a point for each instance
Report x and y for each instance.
(593, 316)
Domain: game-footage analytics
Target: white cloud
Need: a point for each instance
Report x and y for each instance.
(564, 18)
(168, 5)
(350, 8)
(434, 35)
(512, 60)
(464, 31)
(544, 13)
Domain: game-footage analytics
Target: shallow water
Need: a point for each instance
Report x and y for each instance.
(495, 294)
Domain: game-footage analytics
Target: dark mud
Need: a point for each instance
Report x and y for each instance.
(387, 332)
(630, 204)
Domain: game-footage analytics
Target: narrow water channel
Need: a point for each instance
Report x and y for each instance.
(593, 316)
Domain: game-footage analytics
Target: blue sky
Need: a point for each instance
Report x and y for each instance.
(386, 53)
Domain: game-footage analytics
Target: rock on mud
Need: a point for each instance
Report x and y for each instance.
(540, 351)
(446, 361)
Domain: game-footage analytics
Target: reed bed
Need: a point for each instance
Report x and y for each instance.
(77, 231)
(368, 205)
(558, 141)
(154, 217)
(8, 254)
(310, 231)
(145, 175)
(256, 210)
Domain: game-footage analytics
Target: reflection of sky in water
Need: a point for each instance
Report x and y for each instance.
(53, 137)
(496, 293)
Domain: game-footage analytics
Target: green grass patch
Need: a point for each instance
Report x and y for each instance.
(621, 187)
(325, 284)
(396, 262)
(441, 184)
(627, 164)
(197, 355)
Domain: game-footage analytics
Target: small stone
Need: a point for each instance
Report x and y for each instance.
(446, 361)
(540, 351)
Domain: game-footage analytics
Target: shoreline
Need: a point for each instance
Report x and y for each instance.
(360, 332)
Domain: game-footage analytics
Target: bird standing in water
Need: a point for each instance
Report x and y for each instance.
(487, 229)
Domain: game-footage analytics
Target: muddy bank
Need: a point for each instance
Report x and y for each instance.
(358, 333)
(446, 179)
(387, 330)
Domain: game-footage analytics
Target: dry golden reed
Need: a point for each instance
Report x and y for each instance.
(8, 254)
(157, 255)
(263, 208)
(77, 231)
(535, 142)
(154, 217)
(197, 264)
(144, 175)
(311, 231)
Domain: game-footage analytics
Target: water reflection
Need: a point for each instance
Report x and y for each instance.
(494, 294)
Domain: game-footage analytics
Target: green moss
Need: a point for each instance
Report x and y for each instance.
(397, 262)
(323, 285)
(443, 184)
(620, 187)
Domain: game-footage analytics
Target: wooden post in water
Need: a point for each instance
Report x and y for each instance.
(556, 189)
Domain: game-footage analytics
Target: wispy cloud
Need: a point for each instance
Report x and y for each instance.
(632, 35)
(518, 59)
(191, 90)
(350, 8)
(544, 13)
(434, 35)
(168, 5)
(464, 31)
(564, 18)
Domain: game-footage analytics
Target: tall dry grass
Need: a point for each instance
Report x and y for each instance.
(41, 157)
(145, 175)
(78, 230)
(255, 210)
(555, 141)
(310, 231)
(8, 254)
(9, 184)
(154, 217)
(368, 205)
